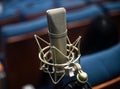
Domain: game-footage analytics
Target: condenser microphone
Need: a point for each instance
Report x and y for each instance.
(57, 33)
(60, 57)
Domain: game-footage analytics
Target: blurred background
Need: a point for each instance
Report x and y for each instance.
(97, 21)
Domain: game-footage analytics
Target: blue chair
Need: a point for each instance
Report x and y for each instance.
(21, 29)
(83, 14)
(102, 66)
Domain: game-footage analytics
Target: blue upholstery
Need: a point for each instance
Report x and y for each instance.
(38, 8)
(114, 6)
(69, 3)
(23, 27)
(20, 29)
(95, 0)
(15, 4)
(85, 13)
(8, 13)
(26, 7)
(102, 66)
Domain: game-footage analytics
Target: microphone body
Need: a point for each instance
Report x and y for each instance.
(57, 33)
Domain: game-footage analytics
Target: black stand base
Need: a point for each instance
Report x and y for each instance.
(73, 85)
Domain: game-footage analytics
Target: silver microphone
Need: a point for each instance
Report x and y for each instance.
(60, 57)
(57, 33)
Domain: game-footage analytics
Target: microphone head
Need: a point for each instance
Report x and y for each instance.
(56, 20)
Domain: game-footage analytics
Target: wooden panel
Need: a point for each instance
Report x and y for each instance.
(10, 20)
(111, 84)
(23, 64)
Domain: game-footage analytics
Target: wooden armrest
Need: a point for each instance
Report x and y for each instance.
(108, 83)
(26, 36)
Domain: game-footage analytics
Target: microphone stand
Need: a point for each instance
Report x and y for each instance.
(59, 85)
(59, 48)
(77, 85)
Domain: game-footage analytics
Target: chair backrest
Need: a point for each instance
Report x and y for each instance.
(7, 13)
(23, 27)
(70, 5)
(102, 66)
(37, 9)
(84, 13)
